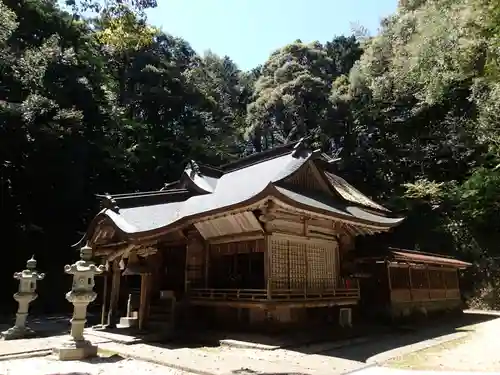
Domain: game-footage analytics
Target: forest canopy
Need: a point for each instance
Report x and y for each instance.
(94, 99)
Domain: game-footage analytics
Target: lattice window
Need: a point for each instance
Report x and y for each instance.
(451, 279)
(330, 252)
(400, 277)
(298, 269)
(320, 271)
(302, 265)
(436, 279)
(419, 278)
(279, 263)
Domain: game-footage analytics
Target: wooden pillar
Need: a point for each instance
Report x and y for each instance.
(115, 293)
(443, 277)
(207, 263)
(104, 298)
(267, 265)
(194, 267)
(143, 300)
(428, 281)
(411, 283)
(306, 274)
(186, 271)
(388, 266)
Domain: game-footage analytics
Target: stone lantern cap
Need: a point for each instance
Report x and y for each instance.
(30, 272)
(84, 265)
(31, 263)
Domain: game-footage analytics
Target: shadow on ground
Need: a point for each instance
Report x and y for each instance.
(104, 359)
(356, 344)
(404, 335)
(369, 340)
(46, 326)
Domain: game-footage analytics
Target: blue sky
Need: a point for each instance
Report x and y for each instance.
(249, 30)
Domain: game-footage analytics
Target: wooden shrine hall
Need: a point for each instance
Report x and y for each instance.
(259, 241)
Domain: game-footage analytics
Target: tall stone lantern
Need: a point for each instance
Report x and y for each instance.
(25, 295)
(80, 295)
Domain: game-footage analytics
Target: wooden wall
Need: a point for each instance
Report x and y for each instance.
(301, 264)
(241, 247)
(195, 262)
(420, 286)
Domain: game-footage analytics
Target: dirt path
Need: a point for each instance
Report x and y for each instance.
(478, 351)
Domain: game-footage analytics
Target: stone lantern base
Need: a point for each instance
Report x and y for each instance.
(17, 333)
(75, 350)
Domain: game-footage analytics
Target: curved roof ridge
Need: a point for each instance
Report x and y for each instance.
(258, 157)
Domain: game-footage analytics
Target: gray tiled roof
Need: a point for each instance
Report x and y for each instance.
(339, 208)
(231, 188)
(227, 186)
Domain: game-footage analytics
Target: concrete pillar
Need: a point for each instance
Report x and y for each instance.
(80, 295)
(25, 295)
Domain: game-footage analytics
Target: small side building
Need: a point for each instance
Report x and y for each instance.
(399, 283)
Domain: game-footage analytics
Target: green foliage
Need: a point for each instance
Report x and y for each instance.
(7, 22)
(93, 99)
(292, 93)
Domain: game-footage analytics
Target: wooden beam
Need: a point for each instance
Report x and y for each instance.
(119, 253)
(248, 236)
(288, 207)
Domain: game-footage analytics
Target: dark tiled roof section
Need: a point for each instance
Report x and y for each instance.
(207, 170)
(258, 157)
(150, 198)
(201, 182)
(171, 185)
(321, 202)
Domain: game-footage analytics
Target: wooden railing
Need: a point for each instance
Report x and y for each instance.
(407, 295)
(308, 294)
(341, 292)
(229, 294)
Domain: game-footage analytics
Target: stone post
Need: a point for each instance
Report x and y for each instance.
(81, 294)
(25, 295)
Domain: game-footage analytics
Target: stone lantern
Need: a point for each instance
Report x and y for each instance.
(80, 295)
(25, 295)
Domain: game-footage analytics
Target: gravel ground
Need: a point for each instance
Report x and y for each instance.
(102, 365)
(475, 352)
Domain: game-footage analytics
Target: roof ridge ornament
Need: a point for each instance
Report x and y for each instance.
(329, 159)
(110, 203)
(194, 167)
(303, 144)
